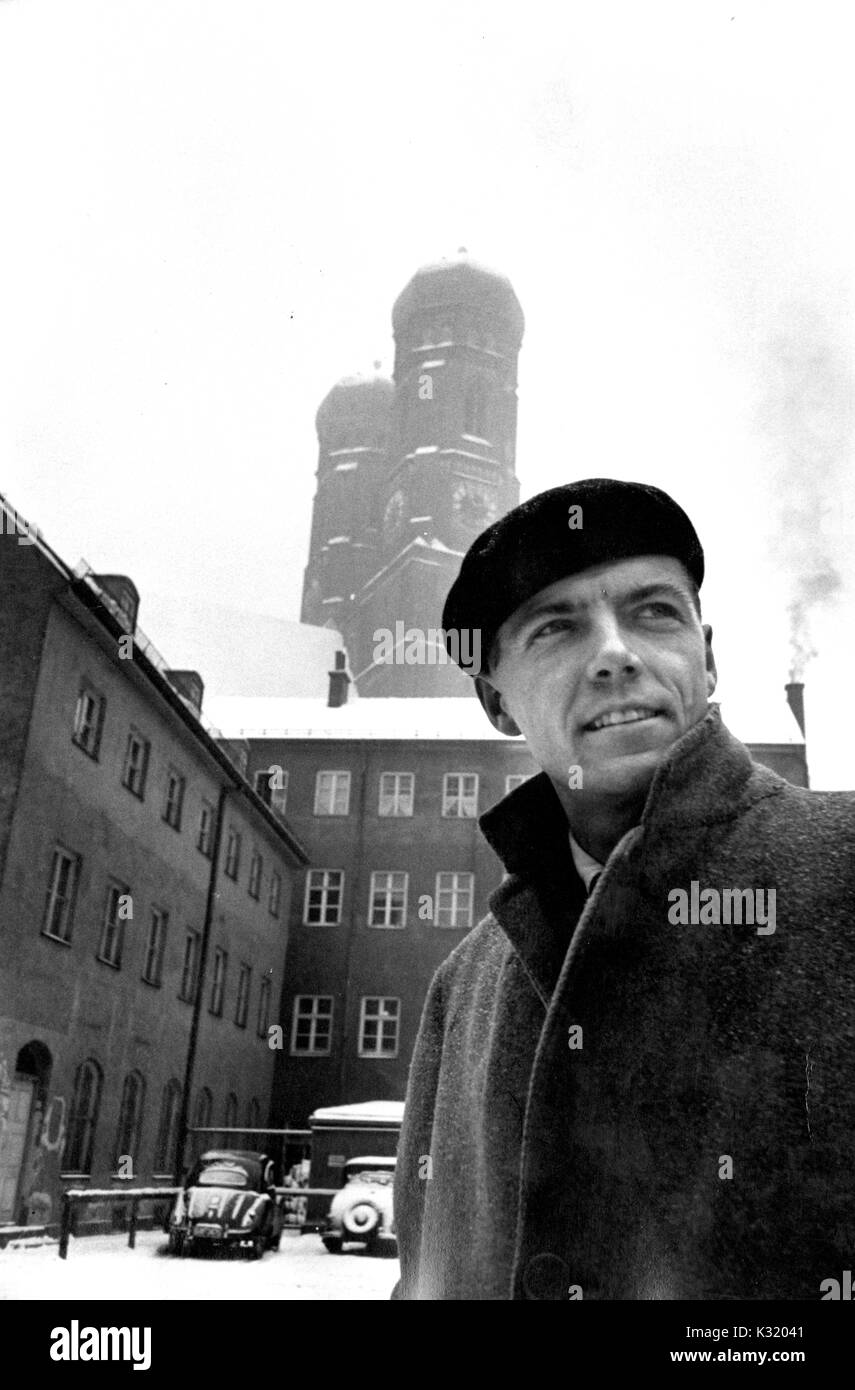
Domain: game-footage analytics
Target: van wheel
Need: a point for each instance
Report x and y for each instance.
(333, 1244)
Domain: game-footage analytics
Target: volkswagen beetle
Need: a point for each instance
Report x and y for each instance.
(228, 1200)
(362, 1210)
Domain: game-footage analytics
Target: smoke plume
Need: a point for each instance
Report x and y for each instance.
(808, 420)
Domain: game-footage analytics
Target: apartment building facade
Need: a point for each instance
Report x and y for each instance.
(124, 911)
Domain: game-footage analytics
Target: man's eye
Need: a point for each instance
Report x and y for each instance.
(554, 625)
(658, 610)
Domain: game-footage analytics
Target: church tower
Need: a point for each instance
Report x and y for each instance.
(458, 328)
(353, 424)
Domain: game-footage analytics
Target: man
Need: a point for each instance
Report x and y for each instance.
(634, 1079)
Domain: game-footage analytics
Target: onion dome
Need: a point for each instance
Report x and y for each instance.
(361, 402)
(454, 282)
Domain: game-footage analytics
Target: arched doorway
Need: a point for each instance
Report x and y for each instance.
(21, 1126)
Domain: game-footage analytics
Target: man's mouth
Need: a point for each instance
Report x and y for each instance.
(622, 716)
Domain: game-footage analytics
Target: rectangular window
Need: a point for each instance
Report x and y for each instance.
(255, 868)
(136, 763)
(61, 894)
(112, 930)
(205, 842)
(218, 983)
(322, 907)
(190, 968)
(153, 967)
(232, 853)
(271, 783)
(378, 1027)
(388, 900)
(244, 985)
(332, 793)
(311, 1030)
(275, 896)
(460, 795)
(175, 787)
(396, 794)
(264, 1008)
(515, 779)
(454, 894)
(89, 720)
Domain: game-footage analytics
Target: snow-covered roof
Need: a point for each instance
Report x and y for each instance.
(445, 717)
(366, 1112)
(393, 717)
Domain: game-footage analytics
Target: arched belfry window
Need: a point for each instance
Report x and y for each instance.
(475, 409)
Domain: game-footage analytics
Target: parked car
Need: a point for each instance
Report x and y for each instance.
(228, 1200)
(362, 1210)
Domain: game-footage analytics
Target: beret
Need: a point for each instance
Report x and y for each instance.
(542, 540)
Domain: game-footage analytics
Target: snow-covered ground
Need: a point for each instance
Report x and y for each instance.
(102, 1267)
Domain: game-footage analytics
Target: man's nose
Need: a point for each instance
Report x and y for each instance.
(611, 656)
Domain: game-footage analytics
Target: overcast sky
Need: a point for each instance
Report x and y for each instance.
(208, 209)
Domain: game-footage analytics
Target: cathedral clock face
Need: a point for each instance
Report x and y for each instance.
(393, 515)
(474, 504)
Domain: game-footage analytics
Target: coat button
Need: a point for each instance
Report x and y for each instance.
(546, 1277)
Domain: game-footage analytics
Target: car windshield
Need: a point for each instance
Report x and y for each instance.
(221, 1175)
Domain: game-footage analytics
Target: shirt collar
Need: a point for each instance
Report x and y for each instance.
(705, 777)
(587, 867)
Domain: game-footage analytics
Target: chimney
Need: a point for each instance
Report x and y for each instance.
(121, 596)
(339, 682)
(190, 687)
(796, 701)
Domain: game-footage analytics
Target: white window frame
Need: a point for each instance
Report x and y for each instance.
(176, 786)
(190, 966)
(218, 981)
(314, 1017)
(244, 989)
(396, 798)
(87, 730)
(207, 822)
(68, 898)
(325, 887)
(456, 891)
(264, 1001)
(455, 802)
(231, 868)
(111, 945)
(135, 773)
(386, 884)
(335, 791)
(158, 924)
(256, 869)
(372, 1009)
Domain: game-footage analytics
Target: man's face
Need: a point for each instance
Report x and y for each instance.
(603, 671)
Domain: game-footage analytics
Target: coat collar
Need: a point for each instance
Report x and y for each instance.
(707, 777)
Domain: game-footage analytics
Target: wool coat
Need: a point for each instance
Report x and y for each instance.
(605, 1103)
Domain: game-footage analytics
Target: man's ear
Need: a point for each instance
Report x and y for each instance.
(493, 705)
(712, 673)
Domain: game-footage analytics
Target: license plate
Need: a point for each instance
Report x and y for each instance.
(208, 1232)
